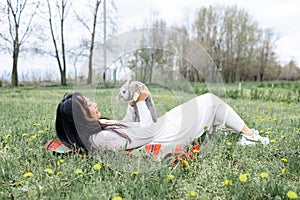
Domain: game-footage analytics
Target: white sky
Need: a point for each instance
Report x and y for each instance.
(282, 16)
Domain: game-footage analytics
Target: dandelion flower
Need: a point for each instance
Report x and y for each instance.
(264, 175)
(228, 143)
(78, 171)
(48, 171)
(283, 170)
(24, 135)
(30, 149)
(58, 173)
(41, 131)
(28, 174)
(243, 178)
(36, 124)
(7, 147)
(192, 193)
(272, 140)
(268, 129)
(6, 137)
(134, 174)
(33, 137)
(227, 182)
(97, 167)
(170, 177)
(284, 160)
(60, 161)
(20, 183)
(282, 137)
(292, 195)
(185, 163)
(117, 198)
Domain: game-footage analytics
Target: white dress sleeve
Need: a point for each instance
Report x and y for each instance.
(144, 114)
(130, 114)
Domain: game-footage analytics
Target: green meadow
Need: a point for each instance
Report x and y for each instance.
(223, 170)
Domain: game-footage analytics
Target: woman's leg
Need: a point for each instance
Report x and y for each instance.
(225, 116)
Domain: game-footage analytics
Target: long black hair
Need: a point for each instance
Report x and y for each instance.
(74, 123)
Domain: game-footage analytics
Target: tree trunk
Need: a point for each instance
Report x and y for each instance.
(14, 75)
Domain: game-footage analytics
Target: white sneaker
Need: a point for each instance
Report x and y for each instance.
(243, 141)
(254, 138)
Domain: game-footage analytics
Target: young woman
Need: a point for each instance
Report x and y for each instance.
(79, 124)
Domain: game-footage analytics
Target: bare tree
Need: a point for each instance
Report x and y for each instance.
(19, 17)
(61, 8)
(92, 31)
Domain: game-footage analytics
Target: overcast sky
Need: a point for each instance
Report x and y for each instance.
(282, 16)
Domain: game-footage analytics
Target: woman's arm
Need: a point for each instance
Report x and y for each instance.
(144, 112)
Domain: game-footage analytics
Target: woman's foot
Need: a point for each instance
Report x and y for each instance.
(253, 138)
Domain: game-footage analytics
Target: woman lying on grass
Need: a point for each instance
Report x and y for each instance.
(79, 124)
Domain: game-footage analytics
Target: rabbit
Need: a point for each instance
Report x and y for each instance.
(131, 91)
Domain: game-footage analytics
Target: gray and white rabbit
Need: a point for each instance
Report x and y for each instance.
(131, 91)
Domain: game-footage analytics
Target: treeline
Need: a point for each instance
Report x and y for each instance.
(240, 49)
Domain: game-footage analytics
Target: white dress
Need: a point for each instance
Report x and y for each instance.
(180, 125)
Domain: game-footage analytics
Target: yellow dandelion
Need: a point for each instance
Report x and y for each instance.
(47, 129)
(33, 137)
(58, 173)
(283, 170)
(268, 129)
(180, 159)
(78, 171)
(264, 175)
(243, 178)
(284, 160)
(267, 132)
(292, 195)
(30, 149)
(48, 171)
(60, 161)
(170, 177)
(272, 140)
(7, 147)
(117, 198)
(192, 193)
(36, 124)
(41, 131)
(24, 135)
(6, 137)
(97, 167)
(28, 174)
(228, 143)
(185, 163)
(234, 169)
(20, 183)
(282, 136)
(227, 182)
(134, 174)
(195, 151)
(261, 131)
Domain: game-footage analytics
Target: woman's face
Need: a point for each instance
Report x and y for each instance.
(93, 109)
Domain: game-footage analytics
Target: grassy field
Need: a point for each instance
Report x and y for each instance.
(29, 171)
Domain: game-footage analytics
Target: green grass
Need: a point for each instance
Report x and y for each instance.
(27, 123)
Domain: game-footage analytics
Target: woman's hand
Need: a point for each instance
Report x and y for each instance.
(143, 95)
